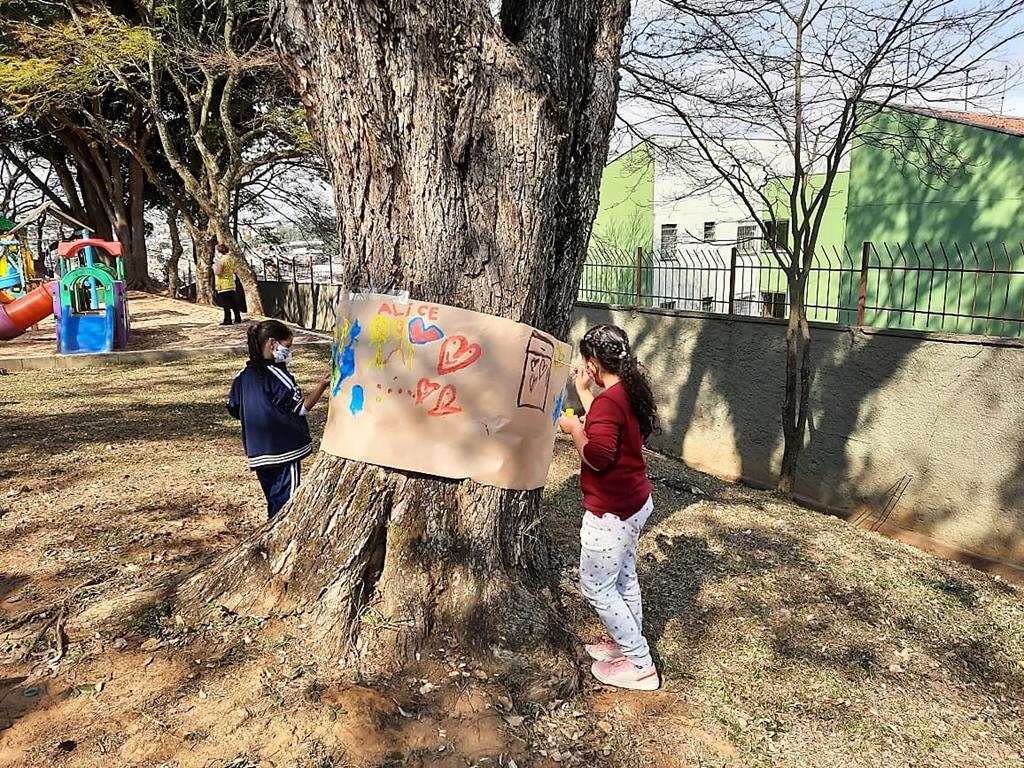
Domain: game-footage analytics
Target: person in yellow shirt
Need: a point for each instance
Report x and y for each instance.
(224, 284)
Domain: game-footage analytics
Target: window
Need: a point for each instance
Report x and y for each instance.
(748, 236)
(778, 233)
(669, 240)
(709, 231)
(707, 304)
(773, 304)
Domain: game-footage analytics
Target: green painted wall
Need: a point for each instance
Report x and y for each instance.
(624, 222)
(825, 289)
(917, 216)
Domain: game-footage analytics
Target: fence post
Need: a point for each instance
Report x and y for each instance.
(862, 293)
(295, 278)
(732, 280)
(639, 275)
(310, 269)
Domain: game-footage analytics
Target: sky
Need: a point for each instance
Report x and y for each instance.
(1009, 102)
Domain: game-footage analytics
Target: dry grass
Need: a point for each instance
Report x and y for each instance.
(785, 638)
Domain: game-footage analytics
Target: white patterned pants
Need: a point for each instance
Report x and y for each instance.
(608, 578)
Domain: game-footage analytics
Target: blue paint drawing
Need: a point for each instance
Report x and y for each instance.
(558, 407)
(344, 358)
(356, 405)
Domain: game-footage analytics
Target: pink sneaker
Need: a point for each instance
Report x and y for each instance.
(604, 651)
(622, 673)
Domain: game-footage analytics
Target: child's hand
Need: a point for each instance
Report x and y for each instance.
(569, 424)
(581, 377)
(324, 382)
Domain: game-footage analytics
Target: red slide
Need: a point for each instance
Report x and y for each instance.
(21, 314)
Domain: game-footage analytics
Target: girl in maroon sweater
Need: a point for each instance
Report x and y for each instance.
(616, 499)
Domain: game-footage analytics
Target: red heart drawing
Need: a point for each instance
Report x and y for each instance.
(424, 389)
(445, 405)
(456, 354)
(421, 333)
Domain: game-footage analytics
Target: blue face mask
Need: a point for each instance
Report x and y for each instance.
(282, 355)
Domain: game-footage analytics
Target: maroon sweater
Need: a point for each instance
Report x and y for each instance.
(614, 473)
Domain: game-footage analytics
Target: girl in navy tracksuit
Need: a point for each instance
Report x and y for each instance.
(266, 399)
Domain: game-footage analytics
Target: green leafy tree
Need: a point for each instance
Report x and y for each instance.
(53, 91)
(220, 109)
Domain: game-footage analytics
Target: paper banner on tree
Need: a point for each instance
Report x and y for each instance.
(444, 391)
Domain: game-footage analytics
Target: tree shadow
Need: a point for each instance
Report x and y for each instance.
(885, 408)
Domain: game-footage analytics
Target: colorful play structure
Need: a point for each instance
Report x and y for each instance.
(87, 298)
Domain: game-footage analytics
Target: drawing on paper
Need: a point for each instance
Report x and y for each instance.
(420, 333)
(355, 405)
(384, 328)
(343, 354)
(444, 391)
(456, 353)
(533, 387)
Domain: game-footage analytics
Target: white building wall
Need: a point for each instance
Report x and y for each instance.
(688, 193)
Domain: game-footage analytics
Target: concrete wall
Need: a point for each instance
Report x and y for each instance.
(311, 306)
(943, 412)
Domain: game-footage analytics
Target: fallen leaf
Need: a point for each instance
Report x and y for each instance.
(514, 720)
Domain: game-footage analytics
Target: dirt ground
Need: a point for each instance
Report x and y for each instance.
(785, 638)
(157, 322)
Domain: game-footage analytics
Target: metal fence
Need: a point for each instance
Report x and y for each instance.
(952, 288)
(292, 268)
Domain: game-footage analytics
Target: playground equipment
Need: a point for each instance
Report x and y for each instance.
(16, 265)
(89, 304)
(20, 307)
(88, 299)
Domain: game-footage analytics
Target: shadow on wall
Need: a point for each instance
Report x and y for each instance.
(925, 414)
(308, 306)
(886, 410)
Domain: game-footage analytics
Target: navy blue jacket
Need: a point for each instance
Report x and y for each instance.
(268, 402)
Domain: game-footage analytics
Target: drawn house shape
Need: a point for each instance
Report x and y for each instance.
(533, 388)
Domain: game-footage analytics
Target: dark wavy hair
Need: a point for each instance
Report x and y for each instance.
(258, 335)
(609, 345)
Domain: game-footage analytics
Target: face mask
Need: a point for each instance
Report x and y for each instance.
(282, 354)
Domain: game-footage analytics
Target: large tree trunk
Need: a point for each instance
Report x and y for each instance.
(465, 159)
(136, 253)
(171, 267)
(203, 244)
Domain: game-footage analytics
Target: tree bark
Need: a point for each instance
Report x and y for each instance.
(206, 243)
(465, 160)
(137, 254)
(796, 401)
(171, 267)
